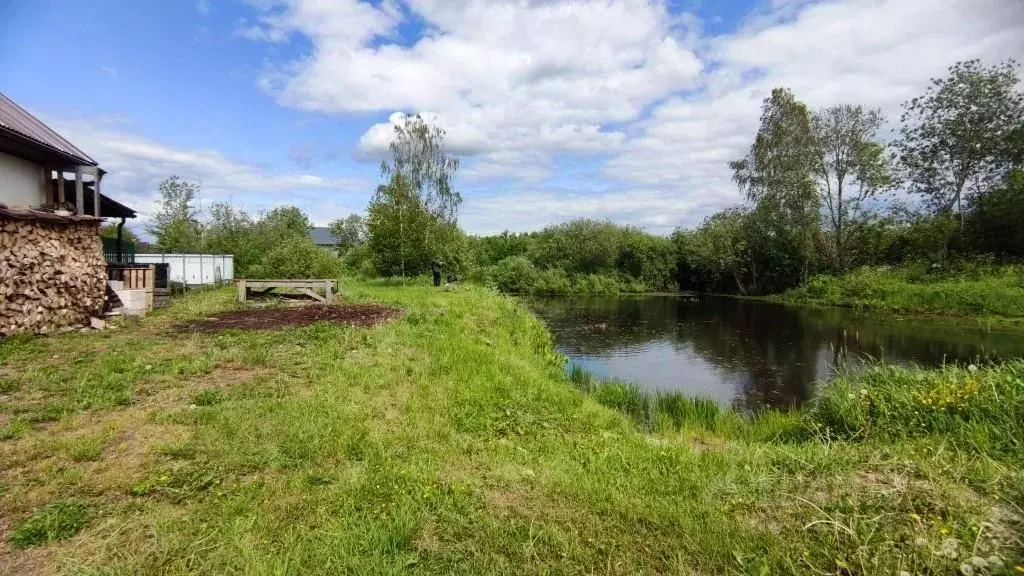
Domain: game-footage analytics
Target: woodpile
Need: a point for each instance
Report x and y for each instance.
(52, 274)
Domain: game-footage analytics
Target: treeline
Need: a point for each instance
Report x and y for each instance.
(273, 244)
(822, 194)
(821, 187)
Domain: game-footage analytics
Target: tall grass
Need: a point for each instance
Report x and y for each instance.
(964, 290)
(677, 411)
(975, 408)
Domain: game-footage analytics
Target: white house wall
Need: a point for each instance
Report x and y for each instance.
(21, 182)
(194, 269)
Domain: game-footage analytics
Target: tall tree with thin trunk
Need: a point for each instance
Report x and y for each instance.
(411, 217)
(952, 145)
(778, 171)
(849, 167)
(175, 224)
(418, 154)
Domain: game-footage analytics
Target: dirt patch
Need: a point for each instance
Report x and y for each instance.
(270, 318)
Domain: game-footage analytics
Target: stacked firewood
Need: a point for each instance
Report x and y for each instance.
(52, 275)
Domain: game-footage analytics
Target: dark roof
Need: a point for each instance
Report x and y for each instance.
(322, 236)
(15, 121)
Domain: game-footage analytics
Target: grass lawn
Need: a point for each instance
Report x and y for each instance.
(451, 441)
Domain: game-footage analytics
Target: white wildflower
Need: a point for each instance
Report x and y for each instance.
(950, 548)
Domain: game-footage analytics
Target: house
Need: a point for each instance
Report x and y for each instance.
(52, 269)
(321, 236)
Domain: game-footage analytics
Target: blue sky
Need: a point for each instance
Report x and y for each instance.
(620, 109)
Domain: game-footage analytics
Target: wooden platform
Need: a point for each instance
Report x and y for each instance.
(307, 287)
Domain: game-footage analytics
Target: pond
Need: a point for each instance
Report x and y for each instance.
(747, 353)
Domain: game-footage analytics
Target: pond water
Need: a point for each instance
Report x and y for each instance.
(750, 354)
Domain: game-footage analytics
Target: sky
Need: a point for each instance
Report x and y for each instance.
(621, 109)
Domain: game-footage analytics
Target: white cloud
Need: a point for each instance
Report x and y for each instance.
(873, 52)
(520, 84)
(203, 7)
(509, 80)
(136, 165)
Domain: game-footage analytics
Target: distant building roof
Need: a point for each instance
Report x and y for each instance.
(18, 122)
(322, 236)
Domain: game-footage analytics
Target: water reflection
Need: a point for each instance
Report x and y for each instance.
(749, 353)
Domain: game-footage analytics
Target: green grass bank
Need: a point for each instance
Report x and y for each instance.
(451, 441)
(959, 290)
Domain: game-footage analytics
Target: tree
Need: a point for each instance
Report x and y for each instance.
(849, 166)
(419, 155)
(398, 225)
(175, 225)
(719, 247)
(110, 231)
(412, 217)
(230, 230)
(348, 231)
(955, 138)
(778, 171)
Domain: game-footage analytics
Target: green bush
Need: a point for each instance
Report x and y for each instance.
(552, 282)
(56, 521)
(297, 257)
(358, 261)
(513, 275)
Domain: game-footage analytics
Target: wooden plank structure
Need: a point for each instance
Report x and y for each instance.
(140, 277)
(307, 287)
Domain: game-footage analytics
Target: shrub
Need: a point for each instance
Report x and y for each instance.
(553, 282)
(56, 521)
(297, 257)
(514, 274)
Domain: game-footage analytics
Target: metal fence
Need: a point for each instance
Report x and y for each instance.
(194, 269)
(126, 255)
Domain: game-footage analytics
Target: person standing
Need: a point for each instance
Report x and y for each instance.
(435, 267)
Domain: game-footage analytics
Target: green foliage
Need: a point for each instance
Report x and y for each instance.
(359, 261)
(349, 231)
(956, 138)
(778, 172)
(274, 245)
(373, 450)
(850, 167)
(56, 521)
(110, 231)
(578, 257)
(968, 290)
(995, 225)
(175, 224)
(403, 235)
(513, 275)
(297, 257)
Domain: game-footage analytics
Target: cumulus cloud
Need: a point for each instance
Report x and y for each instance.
(873, 52)
(519, 85)
(508, 80)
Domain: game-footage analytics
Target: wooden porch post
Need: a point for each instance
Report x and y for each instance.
(79, 191)
(60, 187)
(96, 177)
